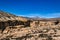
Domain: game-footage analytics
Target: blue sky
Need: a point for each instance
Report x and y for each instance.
(31, 8)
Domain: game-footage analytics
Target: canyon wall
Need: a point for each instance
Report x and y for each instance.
(22, 28)
(28, 23)
(37, 23)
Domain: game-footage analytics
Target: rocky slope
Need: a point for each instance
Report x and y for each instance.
(22, 28)
(7, 19)
(29, 33)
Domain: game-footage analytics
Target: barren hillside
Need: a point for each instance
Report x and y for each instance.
(23, 28)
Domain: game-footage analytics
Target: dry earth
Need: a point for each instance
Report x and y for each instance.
(20, 28)
(29, 33)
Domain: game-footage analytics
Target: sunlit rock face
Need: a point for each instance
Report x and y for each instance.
(44, 23)
(21, 28)
(7, 19)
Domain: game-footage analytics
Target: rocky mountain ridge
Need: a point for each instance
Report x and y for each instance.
(22, 28)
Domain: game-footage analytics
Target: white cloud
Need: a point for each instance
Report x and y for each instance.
(33, 15)
(53, 15)
(49, 15)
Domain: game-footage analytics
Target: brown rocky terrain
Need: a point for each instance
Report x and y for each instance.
(22, 28)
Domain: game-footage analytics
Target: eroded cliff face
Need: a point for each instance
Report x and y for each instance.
(21, 28)
(44, 23)
(12, 23)
(9, 20)
(30, 33)
(30, 30)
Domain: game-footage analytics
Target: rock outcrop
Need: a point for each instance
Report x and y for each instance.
(21, 28)
(7, 19)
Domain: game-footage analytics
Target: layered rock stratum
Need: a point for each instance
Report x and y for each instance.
(14, 27)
